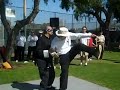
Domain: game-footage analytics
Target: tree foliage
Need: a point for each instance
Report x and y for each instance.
(116, 9)
(95, 8)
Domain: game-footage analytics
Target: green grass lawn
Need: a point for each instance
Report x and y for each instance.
(103, 72)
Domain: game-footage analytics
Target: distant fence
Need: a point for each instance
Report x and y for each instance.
(64, 18)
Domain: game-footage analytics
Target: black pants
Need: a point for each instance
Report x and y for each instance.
(46, 72)
(31, 51)
(65, 60)
(19, 54)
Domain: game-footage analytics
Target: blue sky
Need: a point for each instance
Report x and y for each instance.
(42, 16)
(51, 6)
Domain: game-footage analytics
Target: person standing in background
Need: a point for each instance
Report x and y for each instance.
(32, 39)
(20, 41)
(100, 42)
(84, 40)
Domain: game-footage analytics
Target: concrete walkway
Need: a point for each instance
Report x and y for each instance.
(73, 84)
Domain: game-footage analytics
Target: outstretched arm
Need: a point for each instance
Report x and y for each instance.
(79, 35)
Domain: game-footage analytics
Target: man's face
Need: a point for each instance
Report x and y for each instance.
(22, 33)
(84, 30)
(32, 33)
(49, 30)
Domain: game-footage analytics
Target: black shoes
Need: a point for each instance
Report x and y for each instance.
(48, 88)
(41, 88)
(51, 88)
(62, 89)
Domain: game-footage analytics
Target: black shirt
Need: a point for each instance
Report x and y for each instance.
(43, 43)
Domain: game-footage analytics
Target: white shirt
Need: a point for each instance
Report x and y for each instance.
(62, 46)
(21, 41)
(32, 40)
(85, 40)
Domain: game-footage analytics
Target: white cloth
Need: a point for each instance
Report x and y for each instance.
(62, 46)
(21, 41)
(32, 40)
(85, 40)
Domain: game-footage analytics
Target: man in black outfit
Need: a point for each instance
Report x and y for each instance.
(44, 60)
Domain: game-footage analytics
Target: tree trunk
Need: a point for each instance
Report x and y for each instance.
(104, 25)
(19, 24)
(105, 30)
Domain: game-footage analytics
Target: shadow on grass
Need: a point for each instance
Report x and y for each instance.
(24, 86)
(75, 64)
(114, 61)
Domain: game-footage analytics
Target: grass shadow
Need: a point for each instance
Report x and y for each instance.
(112, 60)
(74, 64)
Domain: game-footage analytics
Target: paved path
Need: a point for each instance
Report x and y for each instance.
(73, 84)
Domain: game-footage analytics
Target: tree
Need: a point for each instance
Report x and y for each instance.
(116, 9)
(19, 24)
(95, 8)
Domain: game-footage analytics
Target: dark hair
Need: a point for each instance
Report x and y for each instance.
(84, 27)
(21, 31)
(44, 31)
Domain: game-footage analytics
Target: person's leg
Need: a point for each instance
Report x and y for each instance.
(22, 53)
(102, 51)
(81, 47)
(51, 75)
(29, 53)
(19, 53)
(43, 72)
(86, 58)
(33, 55)
(64, 62)
(55, 62)
(81, 58)
(89, 56)
(16, 54)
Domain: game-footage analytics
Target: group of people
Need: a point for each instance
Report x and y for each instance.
(20, 46)
(97, 41)
(48, 47)
(51, 45)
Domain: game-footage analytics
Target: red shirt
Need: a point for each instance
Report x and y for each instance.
(90, 44)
